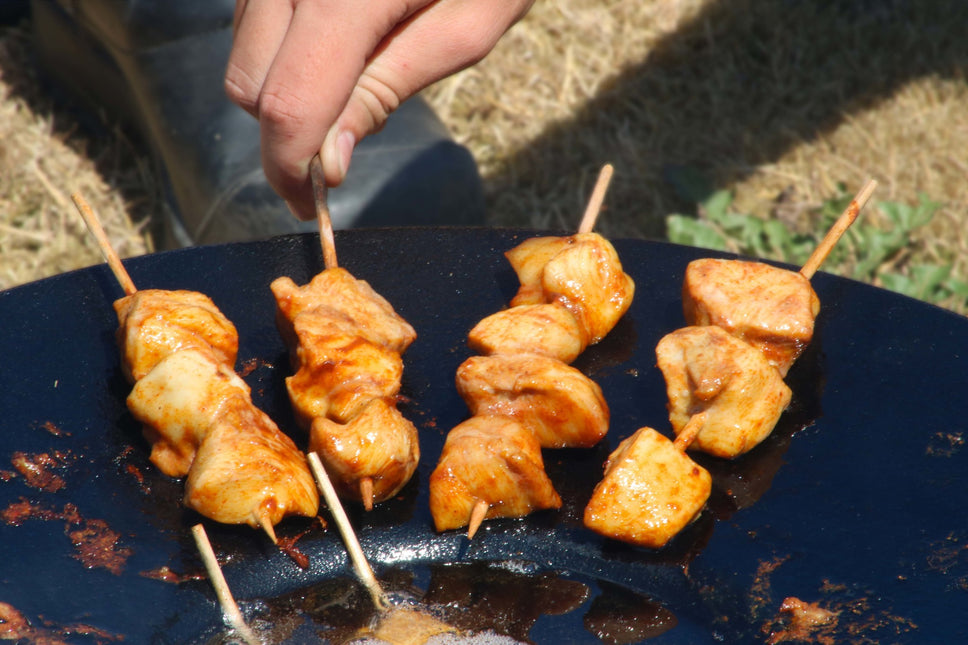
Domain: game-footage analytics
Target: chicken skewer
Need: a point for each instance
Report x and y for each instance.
(178, 350)
(345, 344)
(725, 393)
(749, 323)
(523, 396)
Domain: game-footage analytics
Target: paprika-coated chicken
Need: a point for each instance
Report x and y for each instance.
(248, 472)
(740, 394)
(355, 300)
(154, 323)
(345, 343)
(491, 459)
(582, 273)
(199, 417)
(547, 329)
(770, 308)
(562, 407)
(650, 491)
(572, 292)
(178, 401)
(337, 371)
(378, 444)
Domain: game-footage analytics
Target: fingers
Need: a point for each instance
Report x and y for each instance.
(322, 75)
(293, 66)
(441, 39)
(259, 30)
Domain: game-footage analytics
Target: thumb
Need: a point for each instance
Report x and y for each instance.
(367, 110)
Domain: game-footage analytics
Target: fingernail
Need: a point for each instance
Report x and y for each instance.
(345, 143)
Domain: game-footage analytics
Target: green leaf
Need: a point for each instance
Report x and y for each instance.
(681, 229)
(928, 279)
(716, 205)
(957, 287)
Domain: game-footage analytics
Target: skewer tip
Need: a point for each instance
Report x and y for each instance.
(366, 492)
(690, 431)
(477, 517)
(838, 229)
(594, 206)
(94, 225)
(266, 525)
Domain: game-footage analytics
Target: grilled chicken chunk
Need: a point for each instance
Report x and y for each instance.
(770, 308)
(179, 350)
(560, 405)
(338, 371)
(741, 394)
(247, 472)
(649, 493)
(154, 323)
(587, 278)
(336, 290)
(178, 401)
(528, 260)
(582, 273)
(345, 343)
(547, 329)
(379, 443)
(490, 459)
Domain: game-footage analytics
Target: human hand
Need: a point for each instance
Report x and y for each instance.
(320, 75)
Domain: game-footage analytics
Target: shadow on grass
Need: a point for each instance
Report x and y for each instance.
(731, 90)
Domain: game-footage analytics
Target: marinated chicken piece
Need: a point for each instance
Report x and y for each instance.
(345, 343)
(740, 393)
(338, 371)
(379, 443)
(154, 323)
(770, 308)
(586, 277)
(581, 272)
(494, 460)
(547, 329)
(562, 407)
(528, 260)
(336, 290)
(178, 401)
(248, 472)
(650, 491)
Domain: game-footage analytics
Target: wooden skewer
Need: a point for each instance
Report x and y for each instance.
(837, 230)
(477, 517)
(267, 527)
(124, 279)
(328, 243)
(363, 569)
(326, 238)
(595, 202)
(110, 255)
(690, 431)
(230, 610)
(366, 492)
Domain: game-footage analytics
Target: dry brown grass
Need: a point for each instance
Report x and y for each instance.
(770, 99)
(43, 159)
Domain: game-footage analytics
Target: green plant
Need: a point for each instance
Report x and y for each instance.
(868, 252)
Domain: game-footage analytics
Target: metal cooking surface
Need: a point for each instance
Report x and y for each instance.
(855, 502)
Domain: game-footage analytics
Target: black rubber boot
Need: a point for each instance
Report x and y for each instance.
(158, 65)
